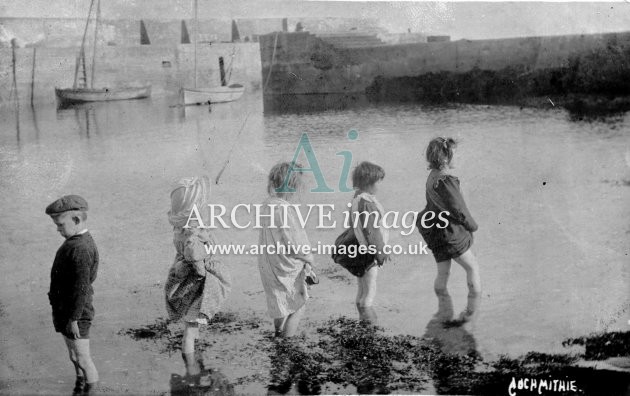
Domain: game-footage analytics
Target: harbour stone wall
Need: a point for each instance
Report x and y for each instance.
(303, 63)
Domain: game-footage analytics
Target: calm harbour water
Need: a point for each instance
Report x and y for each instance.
(550, 195)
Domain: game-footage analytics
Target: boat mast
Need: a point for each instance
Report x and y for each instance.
(82, 50)
(98, 17)
(196, 34)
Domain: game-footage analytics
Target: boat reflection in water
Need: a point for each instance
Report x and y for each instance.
(84, 116)
(200, 380)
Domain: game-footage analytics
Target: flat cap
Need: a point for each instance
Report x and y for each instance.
(66, 203)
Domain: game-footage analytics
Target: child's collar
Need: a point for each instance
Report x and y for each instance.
(365, 195)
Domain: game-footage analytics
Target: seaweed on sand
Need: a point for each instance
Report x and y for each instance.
(455, 374)
(344, 353)
(347, 352)
(160, 332)
(169, 335)
(156, 330)
(372, 360)
(295, 361)
(603, 346)
(228, 322)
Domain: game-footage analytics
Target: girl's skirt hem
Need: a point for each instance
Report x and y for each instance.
(279, 315)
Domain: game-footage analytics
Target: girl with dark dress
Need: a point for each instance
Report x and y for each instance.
(367, 214)
(453, 241)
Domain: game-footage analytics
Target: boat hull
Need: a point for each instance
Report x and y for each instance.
(219, 94)
(79, 95)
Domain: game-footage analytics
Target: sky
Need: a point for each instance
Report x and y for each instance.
(472, 19)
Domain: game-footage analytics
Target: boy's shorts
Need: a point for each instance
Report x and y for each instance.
(84, 328)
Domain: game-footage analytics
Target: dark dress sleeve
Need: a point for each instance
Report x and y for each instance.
(448, 190)
(81, 266)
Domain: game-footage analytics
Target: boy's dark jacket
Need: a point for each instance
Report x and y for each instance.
(73, 272)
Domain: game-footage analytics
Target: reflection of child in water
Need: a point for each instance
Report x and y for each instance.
(197, 282)
(210, 382)
(450, 335)
(454, 241)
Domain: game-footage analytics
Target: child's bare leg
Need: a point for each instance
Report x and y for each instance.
(191, 333)
(73, 357)
(369, 286)
(444, 270)
(292, 322)
(445, 303)
(366, 301)
(469, 262)
(80, 381)
(81, 349)
(445, 308)
(278, 324)
(360, 292)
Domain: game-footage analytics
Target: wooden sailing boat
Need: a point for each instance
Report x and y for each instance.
(216, 94)
(80, 92)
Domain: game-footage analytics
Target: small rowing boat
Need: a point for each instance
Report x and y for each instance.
(78, 95)
(213, 94)
(80, 92)
(218, 94)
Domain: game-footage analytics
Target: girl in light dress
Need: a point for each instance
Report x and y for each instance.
(283, 274)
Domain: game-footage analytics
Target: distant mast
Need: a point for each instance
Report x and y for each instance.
(82, 51)
(98, 17)
(195, 41)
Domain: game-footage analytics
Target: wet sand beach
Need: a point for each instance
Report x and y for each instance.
(550, 195)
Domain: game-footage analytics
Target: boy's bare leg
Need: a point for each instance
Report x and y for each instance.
(73, 357)
(80, 381)
(80, 349)
(292, 322)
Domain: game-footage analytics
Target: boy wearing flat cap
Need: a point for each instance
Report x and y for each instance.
(73, 272)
